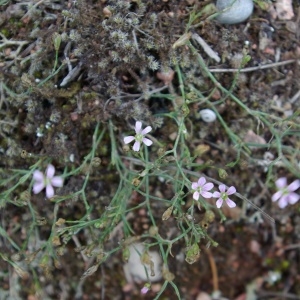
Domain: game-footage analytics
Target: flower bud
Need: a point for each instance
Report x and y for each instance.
(96, 161)
(126, 148)
(209, 216)
(25, 196)
(44, 261)
(56, 241)
(204, 224)
(146, 258)
(24, 154)
(41, 221)
(16, 257)
(153, 230)
(60, 222)
(60, 251)
(161, 151)
(222, 173)
(126, 254)
(185, 110)
(56, 38)
(136, 181)
(192, 254)
(167, 275)
(166, 215)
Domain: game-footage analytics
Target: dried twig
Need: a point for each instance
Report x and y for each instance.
(210, 52)
(251, 69)
(5, 42)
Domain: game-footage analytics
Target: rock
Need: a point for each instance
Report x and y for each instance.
(238, 11)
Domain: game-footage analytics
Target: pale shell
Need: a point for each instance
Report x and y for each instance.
(207, 115)
(238, 12)
(135, 270)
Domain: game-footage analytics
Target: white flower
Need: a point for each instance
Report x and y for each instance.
(223, 196)
(139, 137)
(285, 193)
(202, 188)
(48, 181)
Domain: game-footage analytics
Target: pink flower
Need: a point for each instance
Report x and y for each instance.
(144, 290)
(139, 137)
(223, 196)
(48, 181)
(202, 188)
(285, 194)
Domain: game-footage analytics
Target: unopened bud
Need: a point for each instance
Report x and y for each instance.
(166, 215)
(60, 222)
(161, 151)
(222, 173)
(167, 275)
(209, 216)
(56, 38)
(56, 241)
(136, 182)
(96, 161)
(146, 258)
(126, 254)
(126, 148)
(192, 254)
(153, 230)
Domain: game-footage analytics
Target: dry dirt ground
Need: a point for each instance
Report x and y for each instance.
(67, 65)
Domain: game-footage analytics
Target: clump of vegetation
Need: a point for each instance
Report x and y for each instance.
(104, 97)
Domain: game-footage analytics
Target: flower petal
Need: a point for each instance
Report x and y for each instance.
(138, 127)
(146, 130)
(276, 196)
(194, 185)
(196, 195)
(281, 182)
(201, 181)
(205, 194)
(207, 187)
(49, 191)
(294, 186)
(293, 198)
(219, 202)
(216, 194)
(230, 203)
(136, 146)
(231, 190)
(128, 139)
(147, 142)
(50, 171)
(282, 203)
(222, 188)
(38, 187)
(57, 181)
(38, 176)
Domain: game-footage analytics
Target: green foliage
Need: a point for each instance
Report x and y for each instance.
(80, 128)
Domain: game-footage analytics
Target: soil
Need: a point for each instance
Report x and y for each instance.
(119, 83)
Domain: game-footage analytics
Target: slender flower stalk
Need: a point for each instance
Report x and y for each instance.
(139, 137)
(202, 188)
(223, 196)
(285, 193)
(47, 181)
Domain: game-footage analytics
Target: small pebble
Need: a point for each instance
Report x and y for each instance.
(207, 115)
(238, 12)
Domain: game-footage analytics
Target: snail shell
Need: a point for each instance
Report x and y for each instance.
(238, 11)
(207, 115)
